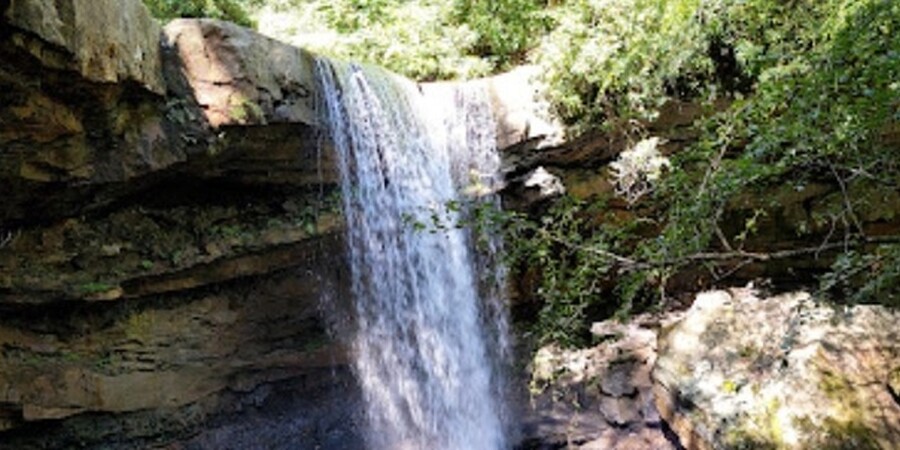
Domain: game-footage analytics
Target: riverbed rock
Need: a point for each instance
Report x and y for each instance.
(740, 371)
(596, 398)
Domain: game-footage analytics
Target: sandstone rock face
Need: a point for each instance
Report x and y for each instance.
(82, 89)
(739, 371)
(160, 279)
(240, 77)
(170, 245)
(107, 41)
(98, 102)
(169, 240)
(596, 398)
(523, 118)
(175, 353)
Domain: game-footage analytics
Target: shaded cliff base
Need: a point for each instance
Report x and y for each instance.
(318, 410)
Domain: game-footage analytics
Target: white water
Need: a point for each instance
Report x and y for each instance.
(426, 346)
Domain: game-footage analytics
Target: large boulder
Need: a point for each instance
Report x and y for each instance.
(786, 372)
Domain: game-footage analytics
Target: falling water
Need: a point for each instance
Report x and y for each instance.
(425, 342)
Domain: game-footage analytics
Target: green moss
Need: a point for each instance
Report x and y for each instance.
(245, 110)
(894, 381)
(838, 435)
(775, 430)
(95, 287)
(316, 342)
(140, 326)
(749, 352)
(743, 439)
(847, 429)
(730, 386)
(834, 385)
(851, 435)
(761, 432)
(70, 356)
(43, 359)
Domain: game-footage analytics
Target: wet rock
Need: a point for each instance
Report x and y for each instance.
(785, 372)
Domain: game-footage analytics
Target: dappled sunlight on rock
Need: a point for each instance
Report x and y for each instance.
(785, 371)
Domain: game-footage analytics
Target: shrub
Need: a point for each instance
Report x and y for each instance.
(231, 10)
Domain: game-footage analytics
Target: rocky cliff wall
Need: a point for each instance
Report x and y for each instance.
(167, 231)
(160, 270)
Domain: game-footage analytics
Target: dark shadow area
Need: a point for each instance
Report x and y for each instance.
(297, 413)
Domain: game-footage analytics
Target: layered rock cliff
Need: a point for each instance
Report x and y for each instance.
(168, 231)
(160, 267)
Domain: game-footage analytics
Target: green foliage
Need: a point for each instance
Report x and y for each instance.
(506, 29)
(353, 15)
(823, 92)
(414, 38)
(231, 10)
(866, 277)
(422, 39)
(803, 91)
(810, 86)
(572, 257)
(617, 57)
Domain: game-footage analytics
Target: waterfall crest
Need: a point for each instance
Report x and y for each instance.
(426, 344)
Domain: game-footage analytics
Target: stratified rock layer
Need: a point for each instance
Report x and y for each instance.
(785, 372)
(168, 230)
(160, 274)
(105, 41)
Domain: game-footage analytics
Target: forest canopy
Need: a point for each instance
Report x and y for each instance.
(797, 93)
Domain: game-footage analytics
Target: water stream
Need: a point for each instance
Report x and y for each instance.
(429, 332)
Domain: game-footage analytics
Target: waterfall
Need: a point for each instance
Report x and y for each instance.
(430, 324)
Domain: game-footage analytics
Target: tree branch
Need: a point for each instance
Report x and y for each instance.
(763, 256)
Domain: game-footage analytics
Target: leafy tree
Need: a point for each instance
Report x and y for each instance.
(231, 10)
(422, 39)
(506, 29)
(811, 89)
